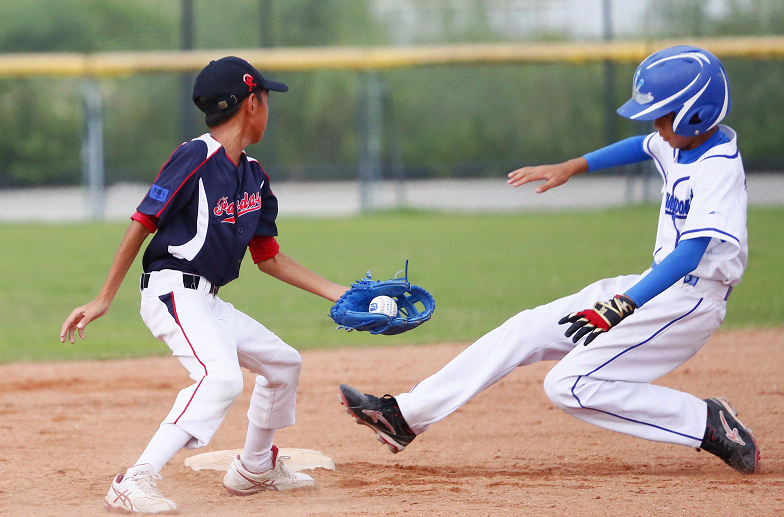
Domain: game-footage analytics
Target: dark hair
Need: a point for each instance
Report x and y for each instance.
(219, 117)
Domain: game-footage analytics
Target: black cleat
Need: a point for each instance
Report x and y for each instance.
(380, 414)
(727, 438)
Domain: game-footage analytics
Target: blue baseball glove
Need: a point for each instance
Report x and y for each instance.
(415, 306)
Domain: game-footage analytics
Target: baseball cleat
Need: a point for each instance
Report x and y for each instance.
(727, 438)
(239, 481)
(380, 414)
(137, 494)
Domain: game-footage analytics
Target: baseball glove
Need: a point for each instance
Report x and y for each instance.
(350, 312)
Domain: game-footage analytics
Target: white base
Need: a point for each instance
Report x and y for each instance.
(299, 459)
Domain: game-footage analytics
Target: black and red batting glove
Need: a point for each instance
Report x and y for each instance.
(603, 317)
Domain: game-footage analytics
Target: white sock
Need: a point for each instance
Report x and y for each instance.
(164, 444)
(257, 455)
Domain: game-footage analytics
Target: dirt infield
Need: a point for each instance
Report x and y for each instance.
(69, 427)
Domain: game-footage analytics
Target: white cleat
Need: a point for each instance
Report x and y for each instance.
(239, 481)
(137, 494)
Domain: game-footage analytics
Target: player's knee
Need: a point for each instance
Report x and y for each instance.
(282, 374)
(225, 386)
(290, 359)
(290, 381)
(234, 387)
(558, 388)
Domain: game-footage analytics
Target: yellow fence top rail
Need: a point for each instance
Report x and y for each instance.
(107, 64)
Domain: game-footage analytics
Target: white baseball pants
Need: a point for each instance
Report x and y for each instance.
(606, 383)
(213, 340)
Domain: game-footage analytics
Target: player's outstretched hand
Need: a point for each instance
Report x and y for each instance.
(554, 175)
(601, 318)
(79, 319)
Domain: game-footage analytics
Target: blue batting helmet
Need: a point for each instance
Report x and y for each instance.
(686, 80)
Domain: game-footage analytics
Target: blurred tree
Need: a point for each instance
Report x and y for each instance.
(294, 23)
(41, 121)
(699, 18)
(87, 25)
(745, 17)
(757, 87)
(313, 126)
(43, 118)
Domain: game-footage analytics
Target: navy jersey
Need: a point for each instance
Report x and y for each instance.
(207, 211)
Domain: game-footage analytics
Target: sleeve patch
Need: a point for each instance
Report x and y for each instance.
(159, 193)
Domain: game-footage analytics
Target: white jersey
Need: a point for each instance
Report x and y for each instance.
(706, 198)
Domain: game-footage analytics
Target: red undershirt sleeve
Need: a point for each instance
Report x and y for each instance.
(263, 247)
(148, 221)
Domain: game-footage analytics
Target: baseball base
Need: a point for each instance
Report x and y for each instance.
(300, 459)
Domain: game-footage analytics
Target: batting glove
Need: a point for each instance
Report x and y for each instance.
(603, 317)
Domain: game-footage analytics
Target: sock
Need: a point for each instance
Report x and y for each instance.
(257, 455)
(164, 444)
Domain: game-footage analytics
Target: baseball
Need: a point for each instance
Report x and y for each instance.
(384, 305)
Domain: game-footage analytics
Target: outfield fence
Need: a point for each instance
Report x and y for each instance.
(112, 64)
(377, 154)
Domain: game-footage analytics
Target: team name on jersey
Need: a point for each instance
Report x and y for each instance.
(248, 203)
(676, 207)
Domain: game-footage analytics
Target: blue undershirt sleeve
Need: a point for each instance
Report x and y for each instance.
(683, 260)
(624, 152)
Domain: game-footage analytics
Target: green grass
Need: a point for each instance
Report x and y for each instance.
(481, 269)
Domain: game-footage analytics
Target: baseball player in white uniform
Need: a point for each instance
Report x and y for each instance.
(638, 327)
(209, 204)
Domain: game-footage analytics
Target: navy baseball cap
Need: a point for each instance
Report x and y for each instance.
(226, 82)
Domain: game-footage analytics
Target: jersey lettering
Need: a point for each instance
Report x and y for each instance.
(677, 208)
(248, 203)
(223, 207)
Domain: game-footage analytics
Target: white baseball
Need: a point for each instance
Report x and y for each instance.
(383, 305)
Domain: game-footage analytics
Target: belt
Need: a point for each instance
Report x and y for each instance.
(188, 281)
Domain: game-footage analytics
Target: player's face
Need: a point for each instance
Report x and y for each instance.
(664, 126)
(261, 114)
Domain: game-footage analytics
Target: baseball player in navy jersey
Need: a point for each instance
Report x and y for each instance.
(637, 327)
(210, 203)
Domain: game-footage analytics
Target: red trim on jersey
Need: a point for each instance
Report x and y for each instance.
(148, 221)
(186, 178)
(195, 355)
(250, 159)
(263, 247)
(229, 157)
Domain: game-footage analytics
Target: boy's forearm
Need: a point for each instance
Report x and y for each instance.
(123, 259)
(286, 269)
